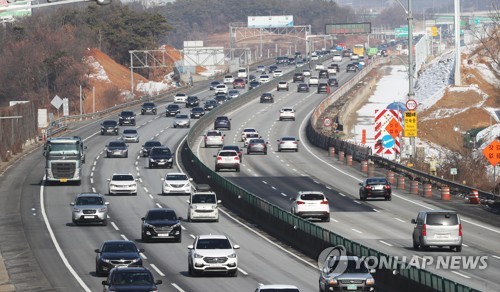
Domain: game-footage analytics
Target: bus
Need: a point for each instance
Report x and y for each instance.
(359, 50)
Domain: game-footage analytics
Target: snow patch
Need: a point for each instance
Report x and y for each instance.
(99, 72)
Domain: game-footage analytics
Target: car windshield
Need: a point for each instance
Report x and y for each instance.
(83, 201)
(252, 135)
(220, 97)
(278, 290)
(376, 181)
(181, 117)
(176, 177)
(213, 243)
(235, 148)
(257, 141)
(132, 278)
(442, 219)
(210, 102)
(122, 177)
(117, 144)
(197, 109)
(119, 247)
(349, 266)
(127, 114)
(213, 133)
(129, 131)
(312, 197)
(267, 94)
(109, 123)
(203, 199)
(228, 153)
(160, 151)
(149, 104)
(161, 215)
(173, 106)
(288, 139)
(152, 143)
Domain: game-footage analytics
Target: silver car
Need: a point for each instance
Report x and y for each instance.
(182, 121)
(288, 143)
(90, 207)
(437, 228)
(130, 135)
(214, 138)
(233, 93)
(346, 273)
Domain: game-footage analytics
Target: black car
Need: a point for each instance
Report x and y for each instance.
(126, 118)
(266, 97)
(253, 84)
(161, 223)
(323, 88)
(109, 127)
(302, 87)
(351, 68)
(137, 279)
(117, 149)
(252, 77)
(298, 77)
(172, 110)
(197, 112)
(214, 84)
(146, 148)
(148, 107)
(336, 66)
(323, 74)
(222, 122)
(333, 82)
(374, 187)
(161, 156)
(116, 253)
(220, 98)
(210, 104)
(273, 68)
(192, 101)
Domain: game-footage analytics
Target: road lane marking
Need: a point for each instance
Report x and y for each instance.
(355, 230)
(124, 237)
(273, 188)
(357, 202)
(177, 287)
(114, 226)
(146, 189)
(461, 275)
(283, 194)
(151, 196)
(342, 194)
(386, 243)
(264, 182)
(495, 256)
(157, 270)
(192, 236)
(328, 187)
(93, 190)
(376, 210)
(242, 271)
(399, 220)
(336, 221)
(143, 256)
(159, 206)
(91, 180)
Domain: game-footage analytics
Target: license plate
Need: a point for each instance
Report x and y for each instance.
(377, 187)
(117, 152)
(88, 217)
(352, 287)
(63, 180)
(161, 163)
(163, 235)
(442, 235)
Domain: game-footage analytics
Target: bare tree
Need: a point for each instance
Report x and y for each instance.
(488, 35)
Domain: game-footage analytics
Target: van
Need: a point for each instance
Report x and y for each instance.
(203, 205)
(242, 73)
(437, 228)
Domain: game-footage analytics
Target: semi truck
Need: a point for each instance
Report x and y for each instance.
(64, 157)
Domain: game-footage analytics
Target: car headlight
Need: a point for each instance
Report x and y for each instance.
(76, 210)
(151, 160)
(370, 282)
(106, 260)
(148, 225)
(197, 256)
(104, 209)
(193, 206)
(233, 255)
(136, 260)
(132, 186)
(332, 281)
(170, 159)
(176, 225)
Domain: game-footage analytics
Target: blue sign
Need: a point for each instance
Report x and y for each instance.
(387, 141)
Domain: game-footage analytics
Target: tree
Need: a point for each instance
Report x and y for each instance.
(488, 35)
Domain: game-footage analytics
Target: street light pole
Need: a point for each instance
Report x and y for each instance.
(458, 79)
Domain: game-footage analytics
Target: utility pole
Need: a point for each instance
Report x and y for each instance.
(458, 79)
(411, 93)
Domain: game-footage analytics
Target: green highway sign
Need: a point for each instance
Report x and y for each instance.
(401, 32)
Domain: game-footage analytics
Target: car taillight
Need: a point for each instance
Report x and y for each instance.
(300, 203)
(236, 158)
(424, 230)
(222, 138)
(368, 187)
(219, 158)
(387, 187)
(324, 202)
(295, 143)
(460, 229)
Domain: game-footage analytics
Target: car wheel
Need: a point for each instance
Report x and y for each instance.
(326, 219)
(179, 239)
(144, 238)
(190, 270)
(458, 248)
(75, 222)
(107, 155)
(150, 165)
(98, 272)
(415, 245)
(216, 169)
(126, 155)
(102, 133)
(388, 198)
(105, 222)
(238, 169)
(248, 152)
(233, 273)
(265, 152)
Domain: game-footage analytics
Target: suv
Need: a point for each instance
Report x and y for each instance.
(214, 138)
(192, 101)
(172, 110)
(298, 77)
(210, 104)
(346, 273)
(161, 156)
(227, 159)
(239, 83)
(323, 74)
(138, 279)
(90, 207)
(212, 253)
(222, 122)
(302, 87)
(126, 117)
(146, 148)
(161, 223)
(176, 182)
(351, 68)
(437, 228)
(309, 204)
(323, 88)
(266, 97)
(109, 127)
(287, 113)
(148, 107)
(203, 206)
(282, 85)
(114, 253)
(313, 80)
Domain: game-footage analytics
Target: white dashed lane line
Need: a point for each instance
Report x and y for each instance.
(265, 182)
(91, 180)
(151, 196)
(273, 188)
(355, 230)
(495, 256)
(399, 220)
(283, 194)
(357, 202)
(243, 272)
(157, 270)
(143, 256)
(336, 221)
(95, 162)
(342, 194)
(461, 275)
(376, 210)
(93, 190)
(192, 236)
(386, 243)
(159, 206)
(146, 189)
(124, 237)
(177, 287)
(114, 226)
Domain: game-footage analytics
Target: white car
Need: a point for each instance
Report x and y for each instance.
(221, 88)
(228, 79)
(337, 58)
(277, 288)
(314, 57)
(242, 73)
(176, 183)
(122, 183)
(261, 68)
(319, 67)
(247, 131)
(212, 253)
(282, 85)
(203, 205)
(313, 81)
(264, 78)
(180, 97)
(227, 159)
(311, 204)
(277, 73)
(214, 138)
(287, 113)
(306, 72)
(354, 57)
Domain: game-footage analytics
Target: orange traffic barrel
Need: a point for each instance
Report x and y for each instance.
(331, 151)
(414, 187)
(445, 193)
(428, 190)
(364, 166)
(349, 159)
(341, 156)
(473, 197)
(401, 182)
(390, 176)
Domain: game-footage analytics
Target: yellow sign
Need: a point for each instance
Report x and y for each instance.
(410, 121)
(434, 31)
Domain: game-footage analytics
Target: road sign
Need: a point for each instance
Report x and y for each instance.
(411, 104)
(492, 152)
(65, 107)
(56, 102)
(394, 128)
(434, 31)
(410, 124)
(401, 32)
(327, 122)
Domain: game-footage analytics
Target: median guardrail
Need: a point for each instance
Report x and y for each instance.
(299, 233)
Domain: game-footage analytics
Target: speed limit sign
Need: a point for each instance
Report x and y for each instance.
(411, 105)
(327, 122)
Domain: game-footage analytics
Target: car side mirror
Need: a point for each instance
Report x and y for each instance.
(162, 179)
(158, 282)
(141, 249)
(105, 283)
(188, 201)
(106, 203)
(84, 147)
(108, 179)
(143, 218)
(236, 246)
(190, 179)
(219, 201)
(413, 221)
(97, 250)
(180, 218)
(190, 246)
(373, 271)
(72, 204)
